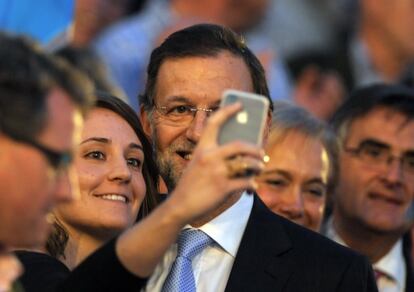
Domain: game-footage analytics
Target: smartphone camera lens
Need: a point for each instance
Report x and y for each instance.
(232, 99)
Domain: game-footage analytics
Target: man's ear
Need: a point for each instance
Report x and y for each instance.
(145, 121)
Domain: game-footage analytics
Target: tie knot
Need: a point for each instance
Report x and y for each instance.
(192, 242)
(379, 274)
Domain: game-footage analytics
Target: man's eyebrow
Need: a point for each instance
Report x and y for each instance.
(96, 139)
(374, 142)
(179, 98)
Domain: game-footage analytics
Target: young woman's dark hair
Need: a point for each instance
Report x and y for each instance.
(59, 237)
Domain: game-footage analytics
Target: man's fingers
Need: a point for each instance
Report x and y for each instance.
(215, 122)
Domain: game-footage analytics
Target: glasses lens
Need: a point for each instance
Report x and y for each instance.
(177, 114)
(373, 154)
(408, 163)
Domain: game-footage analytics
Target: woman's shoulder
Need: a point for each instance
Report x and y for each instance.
(41, 271)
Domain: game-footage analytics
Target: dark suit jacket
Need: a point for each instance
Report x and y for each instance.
(102, 271)
(278, 255)
(407, 245)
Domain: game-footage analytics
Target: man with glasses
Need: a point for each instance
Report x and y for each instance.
(242, 245)
(42, 102)
(373, 202)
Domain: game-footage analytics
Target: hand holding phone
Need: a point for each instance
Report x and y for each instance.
(247, 125)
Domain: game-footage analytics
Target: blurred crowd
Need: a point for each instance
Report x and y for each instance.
(112, 179)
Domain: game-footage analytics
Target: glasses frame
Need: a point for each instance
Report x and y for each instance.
(57, 159)
(162, 110)
(384, 162)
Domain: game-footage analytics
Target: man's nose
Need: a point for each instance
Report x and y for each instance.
(292, 205)
(196, 126)
(66, 186)
(394, 172)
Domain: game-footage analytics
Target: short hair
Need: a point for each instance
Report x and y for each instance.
(27, 75)
(290, 118)
(59, 237)
(362, 101)
(202, 40)
(87, 61)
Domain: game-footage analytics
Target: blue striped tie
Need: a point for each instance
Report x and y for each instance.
(181, 277)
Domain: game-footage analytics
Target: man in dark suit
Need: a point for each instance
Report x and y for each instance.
(240, 246)
(373, 202)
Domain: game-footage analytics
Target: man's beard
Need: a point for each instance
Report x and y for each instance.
(169, 170)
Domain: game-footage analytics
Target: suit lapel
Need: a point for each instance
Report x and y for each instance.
(262, 261)
(407, 245)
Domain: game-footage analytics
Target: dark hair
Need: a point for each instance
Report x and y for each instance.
(202, 40)
(58, 239)
(86, 60)
(27, 75)
(363, 100)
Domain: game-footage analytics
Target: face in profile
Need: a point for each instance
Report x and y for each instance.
(196, 82)
(30, 185)
(108, 163)
(294, 181)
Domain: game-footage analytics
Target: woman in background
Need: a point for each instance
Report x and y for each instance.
(301, 170)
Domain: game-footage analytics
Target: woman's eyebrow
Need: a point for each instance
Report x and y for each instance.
(135, 146)
(97, 139)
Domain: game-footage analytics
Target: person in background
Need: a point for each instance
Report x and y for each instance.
(241, 245)
(126, 46)
(92, 16)
(382, 48)
(42, 104)
(86, 60)
(301, 170)
(373, 200)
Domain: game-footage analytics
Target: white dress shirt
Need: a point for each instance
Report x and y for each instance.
(392, 265)
(213, 265)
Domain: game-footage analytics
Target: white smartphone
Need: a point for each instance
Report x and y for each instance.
(248, 124)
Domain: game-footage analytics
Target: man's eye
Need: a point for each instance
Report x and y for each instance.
(179, 110)
(409, 162)
(95, 155)
(373, 152)
(136, 163)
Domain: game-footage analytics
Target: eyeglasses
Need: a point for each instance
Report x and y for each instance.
(377, 154)
(181, 114)
(57, 160)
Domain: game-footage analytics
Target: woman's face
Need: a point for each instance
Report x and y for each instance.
(294, 181)
(108, 162)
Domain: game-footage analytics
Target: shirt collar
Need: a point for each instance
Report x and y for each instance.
(227, 229)
(392, 264)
